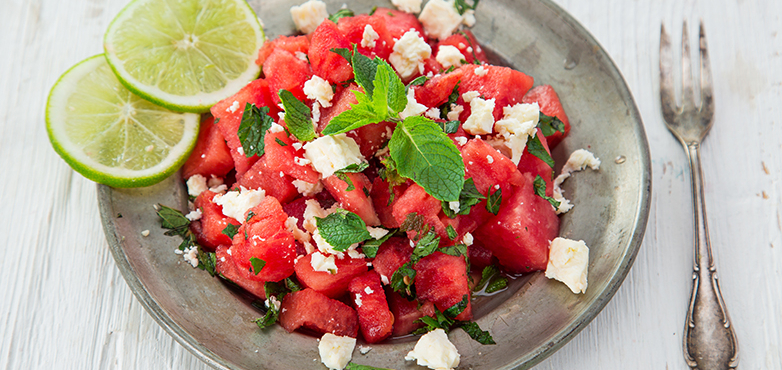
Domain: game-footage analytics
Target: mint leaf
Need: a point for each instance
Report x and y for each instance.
(207, 261)
(393, 90)
(474, 331)
(230, 230)
(463, 6)
(455, 250)
(343, 52)
(458, 308)
(449, 127)
(293, 284)
(342, 229)
(425, 246)
(451, 232)
(174, 221)
(487, 274)
(370, 247)
(424, 153)
(535, 147)
(352, 366)
(402, 280)
(359, 115)
(550, 125)
(351, 168)
(540, 190)
(364, 70)
(469, 197)
(418, 81)
(452, 98)
(494, 200)
(280, 142)
(497, 284)
(252, 129)
(297, 117)
(342, 13)
(256, 265)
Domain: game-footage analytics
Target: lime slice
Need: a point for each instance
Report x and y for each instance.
(184, 55)
(112, 136)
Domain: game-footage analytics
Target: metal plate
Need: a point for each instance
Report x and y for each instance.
(530, 320)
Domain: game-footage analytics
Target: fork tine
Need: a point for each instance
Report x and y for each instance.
(667, 99)
(687, 94)
(707, 100)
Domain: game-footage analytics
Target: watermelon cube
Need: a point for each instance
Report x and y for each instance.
(226, 266)
(209, 229)
(261, 176)
(326, 64)
(332, 285)
(550, 105)
(291, 44)
(315, 311)
(211, 156)
(442, 280)
(375, 319)
(355, 200)
(391, 255)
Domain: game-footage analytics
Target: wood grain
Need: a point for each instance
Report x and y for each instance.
(65, 305)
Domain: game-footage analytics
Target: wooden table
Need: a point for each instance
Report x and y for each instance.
(64, 305)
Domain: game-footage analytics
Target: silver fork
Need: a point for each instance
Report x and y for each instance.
(709, 339)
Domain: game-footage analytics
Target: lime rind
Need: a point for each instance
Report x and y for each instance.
(112, 136)
(185, 55)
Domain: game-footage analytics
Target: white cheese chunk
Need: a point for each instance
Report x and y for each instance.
(191, 256)
(272, 301)
(309, 15)
(307, 189)
(454, 206)
(196, 185)
(578, 161)
(468, 19)
(408, 6)
(481, 71)
(336, 351)
(331, 153)
(409, 54)
(481, 118)
(292, 224)
(377, 232)
(313, 209)
(236, 203)
(321, 262)
(413, 108)
(369, 37)
(276, 128)
(461, 140)
(456, 110)
(440, 18)
(519, 119)
(567, 262)
(433, 113)
(194, 215)
(435, 351)
(449, 55)
(470, 95)
(319, 89)
(468, 239)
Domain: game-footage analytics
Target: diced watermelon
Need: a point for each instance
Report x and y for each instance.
(356, 200)
(520, 234)
(391, 255)
(325, 63)
(209, 229)
(332, 285)
(211, 156)
(550, 105)
(442, 280)
(280, 158)
(468, 223)
(480, 257)
(260, 176)
(416, 200)
(537, 167)
(381, 199)
(315, 311)
(291, 44)
(504, 85)
(406, 313)
(398, 22)
(468, 46)
(341, 102)
(229, 113)
(436, 91)
(370, 137)
(375, 319)
(353, 29)
(284, 71)
(500, 170)
(264, 236)
(226, 266)
(431, 65)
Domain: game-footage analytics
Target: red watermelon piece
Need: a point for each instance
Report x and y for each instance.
(520, 234)
(500, 170)
(353, 29)
(332, 285)
(326, 64)
(375, 319)
(442, 280)
(261, 176)
(281, 158)
(341, 102)
(226, 266)
(315, 311)
(416, 200)
(398, 22)
(291, 44)
(406, 313)
(537, 167)
(436, 91)
(211, 156)
(550, 105)
(284, 71)
(356, 200)
(390, 256)
(467, 44)
(506, 86)
(209, 229)
(384, 205)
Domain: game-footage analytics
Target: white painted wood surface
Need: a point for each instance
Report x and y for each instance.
(64, 305)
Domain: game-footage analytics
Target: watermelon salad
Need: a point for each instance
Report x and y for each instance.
(377, 175)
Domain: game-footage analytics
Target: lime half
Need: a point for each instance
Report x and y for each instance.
(112, 136)
(185, 55)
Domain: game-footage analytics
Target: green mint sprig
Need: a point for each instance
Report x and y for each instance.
(298, 117)
(252, 129)
(540, 190)
(549, 125)
(351, 168)
(469, 197)
(342, 229)
(177, 224)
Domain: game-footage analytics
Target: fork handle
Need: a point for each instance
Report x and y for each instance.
(709, 339)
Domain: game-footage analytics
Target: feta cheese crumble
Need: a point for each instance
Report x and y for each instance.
(440, 18)
(196, 185)
(235, 204)
(481, 71)
(461, 140)
(409, 54)
(364, 349)
(191, 255)
(517, 124)
(481, 118)
(273, 302)
(468, 239)
(309, 15)
(413, 108)
(435, 351)
(145, 233)
(456, 110)
(454, 206)
(307, 189)
(369, 37)
(319, 89)
(408, 6)
(332, 153)
(336, 351)
(194, 215)
(377, 232)
(578, 161)
(233, 108)
(567, 262)
(449, 55)
(321, 262)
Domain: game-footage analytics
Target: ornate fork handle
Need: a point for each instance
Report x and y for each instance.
(709, 339)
